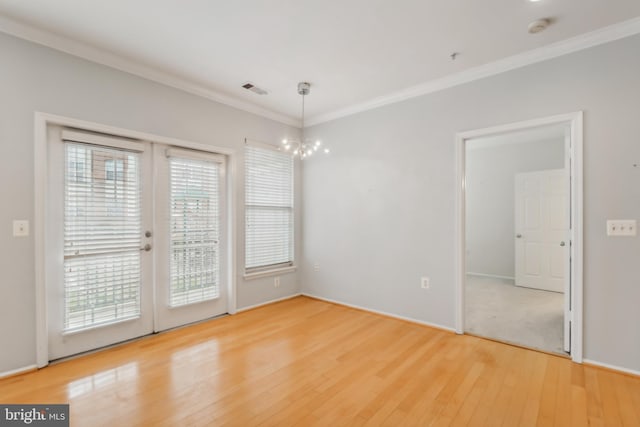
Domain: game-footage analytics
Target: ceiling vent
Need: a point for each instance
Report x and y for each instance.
(253, 88)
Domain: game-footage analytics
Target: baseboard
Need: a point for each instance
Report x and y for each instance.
(251, 307)
(492, 276)
(611, 367)
(382, 313)
(18, 371)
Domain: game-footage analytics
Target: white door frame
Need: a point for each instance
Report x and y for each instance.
(42, 122)
(574, 120)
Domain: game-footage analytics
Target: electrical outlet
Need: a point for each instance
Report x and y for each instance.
(276, 282)
(316, 267)
(20, 228)
(424, 283)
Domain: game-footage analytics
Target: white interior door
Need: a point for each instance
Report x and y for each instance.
(190, 236)
(542, 245)
(98, 210)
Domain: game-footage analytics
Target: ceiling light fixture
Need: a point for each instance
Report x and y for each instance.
(303, 148)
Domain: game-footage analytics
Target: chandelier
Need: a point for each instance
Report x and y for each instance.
(303, 148)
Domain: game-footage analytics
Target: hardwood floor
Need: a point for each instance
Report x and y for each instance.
(304, 362)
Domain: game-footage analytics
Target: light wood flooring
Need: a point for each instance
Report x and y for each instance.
(304, 362)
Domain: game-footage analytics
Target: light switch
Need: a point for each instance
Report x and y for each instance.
(20, 228)
(621, 227)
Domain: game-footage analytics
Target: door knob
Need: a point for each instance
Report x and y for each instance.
(146, 248)
(147, 234)
(561, 243)
(519, 236)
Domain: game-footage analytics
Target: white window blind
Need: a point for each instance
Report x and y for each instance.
(195, 230)
(102, 235)
(268, 209)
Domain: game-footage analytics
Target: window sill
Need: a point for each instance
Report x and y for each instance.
(267, 273)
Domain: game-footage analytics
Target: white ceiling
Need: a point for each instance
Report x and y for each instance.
(356, 53)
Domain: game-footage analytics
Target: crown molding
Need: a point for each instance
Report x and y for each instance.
(110, 59)
(104, 57)
(554, 50)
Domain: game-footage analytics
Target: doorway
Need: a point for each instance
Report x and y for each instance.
(519, 240)
(136, 239)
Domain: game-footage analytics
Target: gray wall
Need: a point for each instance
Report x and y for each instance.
(35, 78)
(490, 199)
(379, 211)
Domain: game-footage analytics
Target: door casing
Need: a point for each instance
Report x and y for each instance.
(575, 124)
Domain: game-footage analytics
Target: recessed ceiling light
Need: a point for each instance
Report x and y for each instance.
(534, 1)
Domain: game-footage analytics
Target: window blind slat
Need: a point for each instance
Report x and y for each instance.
(194, 217)
(102, 235)
(268, 208)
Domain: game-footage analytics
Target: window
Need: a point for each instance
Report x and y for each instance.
(114, 185)
(76, 164)
(195, 230)
(113, 169)
(101, 236)
(268, 209)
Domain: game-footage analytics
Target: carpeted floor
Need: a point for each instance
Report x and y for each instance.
(498, 309)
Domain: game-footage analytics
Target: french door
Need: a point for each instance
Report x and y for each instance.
(189, 223)
(135, 233)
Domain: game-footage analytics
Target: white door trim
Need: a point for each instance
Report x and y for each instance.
(41, 123)
(574, 120)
